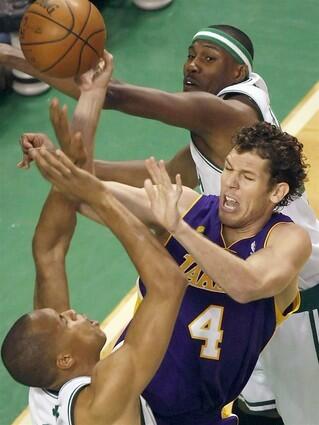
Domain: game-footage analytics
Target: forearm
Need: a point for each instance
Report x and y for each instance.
(13, 58)
(50, 245)
(148, 103)
(134, 173)
(85, 120)
(232, 273)
(151, 260)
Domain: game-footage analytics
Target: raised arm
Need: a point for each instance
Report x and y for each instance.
(50, 245)
(133, 365)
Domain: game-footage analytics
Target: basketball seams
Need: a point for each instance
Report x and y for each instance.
(78, 37)
(69, 30)
(49, 19)
(82, 48)
(71, 13)
(61, 57)
(91, 35)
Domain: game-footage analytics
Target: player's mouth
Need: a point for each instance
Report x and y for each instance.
(190, 84)
(229, 204)
(94, 322)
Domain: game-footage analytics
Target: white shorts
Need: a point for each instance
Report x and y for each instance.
(287, 374)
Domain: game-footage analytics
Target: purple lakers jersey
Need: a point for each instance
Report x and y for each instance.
(216, 340)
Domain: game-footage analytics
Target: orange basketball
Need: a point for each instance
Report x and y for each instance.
(62, 38)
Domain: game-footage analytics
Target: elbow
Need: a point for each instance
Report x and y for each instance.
(244, 297)
(249, 292)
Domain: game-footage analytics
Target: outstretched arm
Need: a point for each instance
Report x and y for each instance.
(134, 173)
(200, 112)
(69, 179)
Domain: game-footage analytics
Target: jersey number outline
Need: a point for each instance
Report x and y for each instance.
(207, 326)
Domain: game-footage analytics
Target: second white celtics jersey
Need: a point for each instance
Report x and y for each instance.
(56, 408)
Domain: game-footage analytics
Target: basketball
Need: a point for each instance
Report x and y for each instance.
(62, 38)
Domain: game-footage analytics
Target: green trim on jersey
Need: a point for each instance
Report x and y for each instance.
(309, 299)
(314, 332)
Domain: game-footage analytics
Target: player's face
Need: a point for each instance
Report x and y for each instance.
(71, 330)
(245, 198)
(208, 68)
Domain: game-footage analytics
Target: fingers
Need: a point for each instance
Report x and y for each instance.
(79, 148)
(179, 185)
(108, 59)
(30, 140)
(25, 163)
(158, 172)
(153, 170)
(60, 122)
(27, 142)
(53, 166)
(150, 191)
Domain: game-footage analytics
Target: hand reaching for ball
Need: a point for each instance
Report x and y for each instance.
(99, 77)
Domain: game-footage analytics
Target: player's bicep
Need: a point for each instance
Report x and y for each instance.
(280, 262)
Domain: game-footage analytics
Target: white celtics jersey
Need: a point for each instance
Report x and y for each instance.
(255, 88)
(50, 408)
(299, 210)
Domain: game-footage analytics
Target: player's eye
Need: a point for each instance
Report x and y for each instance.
(249, 177)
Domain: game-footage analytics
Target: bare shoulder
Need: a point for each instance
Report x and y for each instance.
(110, 390)
(291, 236)
(187, 200)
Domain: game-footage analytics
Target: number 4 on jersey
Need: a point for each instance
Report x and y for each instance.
(207, 326)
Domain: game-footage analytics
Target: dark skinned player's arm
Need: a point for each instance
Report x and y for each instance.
(50, 245)
(134, 173)
(200, 112)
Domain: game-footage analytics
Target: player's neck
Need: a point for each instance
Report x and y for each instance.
(65, 376)
(250, 229)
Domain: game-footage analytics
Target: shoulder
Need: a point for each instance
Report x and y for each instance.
(188, 198)
(290, 235)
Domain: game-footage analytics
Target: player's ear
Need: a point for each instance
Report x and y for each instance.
(64, 361)
(240, 72)
(279, 191)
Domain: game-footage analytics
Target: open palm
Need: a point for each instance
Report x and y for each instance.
(163, 195)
